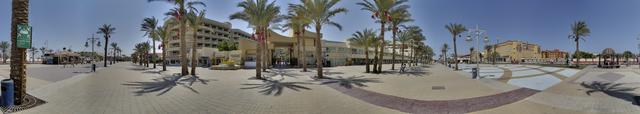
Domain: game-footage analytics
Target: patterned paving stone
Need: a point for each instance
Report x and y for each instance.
(436, 106)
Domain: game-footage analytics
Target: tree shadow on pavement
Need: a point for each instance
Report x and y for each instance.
(349, 82)
(611, 89)
(276, 87)
(165, 84)
(281, 72)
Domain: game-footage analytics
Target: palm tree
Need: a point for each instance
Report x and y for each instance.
(416, 39)
(297, 21)
(18, 72)
(260, 14)
(113, 47)
(455, 30)
(444, 50)
(106, 30)
(320, 12)
(4, 45)
(149, 26)
(179, 14)
(399, 16)
(163, 34)
(381, 12)
(405, 37)
(579, 30)
(365, 39)
(195, 19)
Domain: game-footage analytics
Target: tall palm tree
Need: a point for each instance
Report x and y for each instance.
(113, 47)
(179, 14)
(260, 14)
(163, 34)
(106, 30)
(381, 13)
(297, 21)
(444, 50)
(18, 72)
(149, 26)
(365, 39)
(405, 37)
(195, 18)
(399, 16)
(4, 45)
(416, 40)
(455, 30)
(320, 12)
(579, 30)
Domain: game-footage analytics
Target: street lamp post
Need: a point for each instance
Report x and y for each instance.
(93, 41)
(477, 33)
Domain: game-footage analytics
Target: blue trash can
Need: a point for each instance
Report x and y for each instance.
(7, 93)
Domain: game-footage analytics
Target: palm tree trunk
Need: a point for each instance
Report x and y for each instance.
(366, 56)
(393, 55)
(154, 54)
(304, 56)
(577, 51)
(382, 43)
(259, 54)
(164, 56)
(183, 43)
(18, 72)
(318, 51)
(106, 38)
(455, 51)
(265, 52)
(194, 53)
(297, 35)
(402, 55)
(375, 58)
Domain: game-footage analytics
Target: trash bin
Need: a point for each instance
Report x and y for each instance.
(474, 72)
(7, 93)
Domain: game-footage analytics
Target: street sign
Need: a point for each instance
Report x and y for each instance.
(24, 36)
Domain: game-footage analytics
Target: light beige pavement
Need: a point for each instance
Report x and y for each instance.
(125, 89)
(570, 97)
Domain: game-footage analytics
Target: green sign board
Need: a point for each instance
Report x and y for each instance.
(24, 36)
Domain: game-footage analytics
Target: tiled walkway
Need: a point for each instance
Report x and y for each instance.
(528, 76)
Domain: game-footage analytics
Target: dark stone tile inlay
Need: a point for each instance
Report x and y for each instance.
(458, 106)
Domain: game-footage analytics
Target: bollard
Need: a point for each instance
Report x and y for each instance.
(7, 93)
(474, 72)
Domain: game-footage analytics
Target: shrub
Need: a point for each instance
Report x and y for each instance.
(229, 62)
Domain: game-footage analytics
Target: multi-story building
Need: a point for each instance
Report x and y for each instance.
(208, 36)
(554, 54)
(517, 51)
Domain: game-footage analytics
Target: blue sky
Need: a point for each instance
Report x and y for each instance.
(613, 23)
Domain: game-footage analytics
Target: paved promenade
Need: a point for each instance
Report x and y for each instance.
(126, 88)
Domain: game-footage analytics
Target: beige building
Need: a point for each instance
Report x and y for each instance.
(517, 51)
(209, 34)
(283, 49)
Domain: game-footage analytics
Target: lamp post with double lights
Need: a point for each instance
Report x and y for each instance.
(477, 33)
